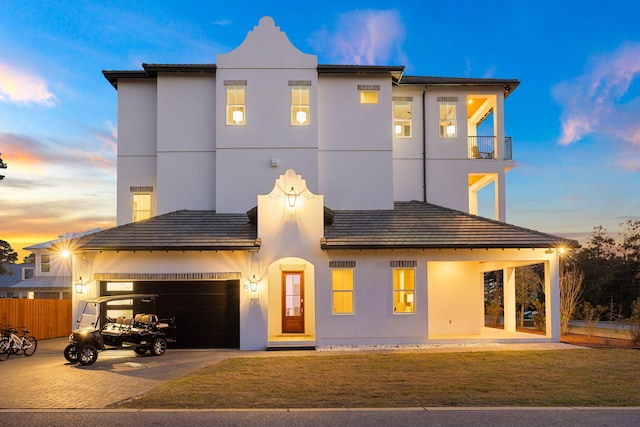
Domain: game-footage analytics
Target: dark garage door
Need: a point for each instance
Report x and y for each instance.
(207, 313)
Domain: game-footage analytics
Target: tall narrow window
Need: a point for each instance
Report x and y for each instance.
(402, 119)
(45, 263)
(448, 123)
(403, 290)
(300, 109)
(141, 206)
(236, 111)
(342, 289)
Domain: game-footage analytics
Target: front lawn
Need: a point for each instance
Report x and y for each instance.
(585, 377)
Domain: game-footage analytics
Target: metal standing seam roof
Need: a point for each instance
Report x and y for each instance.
(410, 225)
(418, 225)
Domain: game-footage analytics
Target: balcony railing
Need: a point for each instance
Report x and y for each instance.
(484, 147)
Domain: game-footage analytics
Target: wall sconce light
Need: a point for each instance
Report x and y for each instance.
(253, 284)
(238, 116)
(301, 117)
(292, 196)
(80, 286)
(548, 251)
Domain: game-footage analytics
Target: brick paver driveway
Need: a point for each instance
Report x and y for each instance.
(46, 380)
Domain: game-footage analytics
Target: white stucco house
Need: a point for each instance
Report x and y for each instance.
(274, 201)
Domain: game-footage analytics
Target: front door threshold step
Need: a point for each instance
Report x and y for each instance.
(290, 346)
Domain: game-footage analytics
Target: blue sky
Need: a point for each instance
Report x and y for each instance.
(574, 119)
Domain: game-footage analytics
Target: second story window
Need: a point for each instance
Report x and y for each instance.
(45, 263)
(402, 118)
(141, 206)
(369, 94)
(448, 121)
(236, 108)
(300, 106)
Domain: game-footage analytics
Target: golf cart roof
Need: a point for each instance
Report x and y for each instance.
(99, 300)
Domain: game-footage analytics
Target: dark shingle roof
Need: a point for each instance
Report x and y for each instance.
(423, 225)
(410, 225)
(180, 230)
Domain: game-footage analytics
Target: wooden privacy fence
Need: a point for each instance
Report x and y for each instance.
(45, 318)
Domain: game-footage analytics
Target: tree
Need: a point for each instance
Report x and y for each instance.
(3, 165)
(528, 286)
(7, 255)
(29, 259)
(570, 293)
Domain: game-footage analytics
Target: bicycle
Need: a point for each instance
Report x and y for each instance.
(11, 343)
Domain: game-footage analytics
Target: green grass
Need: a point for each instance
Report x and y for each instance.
(590, 377)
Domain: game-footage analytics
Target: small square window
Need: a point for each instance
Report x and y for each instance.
(368, 97)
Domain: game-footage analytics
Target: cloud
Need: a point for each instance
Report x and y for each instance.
(222, 22)
(363, 37)
(598, 102)
(19, 86)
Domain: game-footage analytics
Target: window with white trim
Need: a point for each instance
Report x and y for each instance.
(369, 94)
(236, 109)
(141, 206)
(300, 107)
(404, 290)
(402, 119)
(342, 290)
(45, 263)
(448, 121)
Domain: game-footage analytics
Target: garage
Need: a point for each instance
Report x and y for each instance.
(207, 313)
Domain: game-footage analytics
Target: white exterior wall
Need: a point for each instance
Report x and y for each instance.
(137, 103)
(355, 143)
(186, 144)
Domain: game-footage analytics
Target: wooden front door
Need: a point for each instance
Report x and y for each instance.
(292, 302)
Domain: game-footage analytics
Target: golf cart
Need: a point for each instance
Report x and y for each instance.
(134, 328)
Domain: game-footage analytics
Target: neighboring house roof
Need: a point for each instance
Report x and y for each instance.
(409, 225)
(13, 275)
(44, 282)
(418, 225)
(180, 230)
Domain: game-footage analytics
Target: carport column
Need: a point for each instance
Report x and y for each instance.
(509, 278)
(552, 296)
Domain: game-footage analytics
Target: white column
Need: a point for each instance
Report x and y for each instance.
(552, 297)
(509, 278)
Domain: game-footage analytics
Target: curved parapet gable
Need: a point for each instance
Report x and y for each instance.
(266, 47)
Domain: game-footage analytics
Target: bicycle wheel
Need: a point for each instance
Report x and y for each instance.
(29, 345)
(4, 348)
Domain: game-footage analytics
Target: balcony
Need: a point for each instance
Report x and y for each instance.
(484, 148)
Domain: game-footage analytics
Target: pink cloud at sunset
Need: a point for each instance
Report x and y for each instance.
(601, 101)
(363, 37)
(19, 86)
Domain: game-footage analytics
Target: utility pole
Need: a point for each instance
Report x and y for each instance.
(3, 165)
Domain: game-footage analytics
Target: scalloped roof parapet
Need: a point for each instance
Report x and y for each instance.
(266, 47)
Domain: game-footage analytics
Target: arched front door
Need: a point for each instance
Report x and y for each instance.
(292, 302)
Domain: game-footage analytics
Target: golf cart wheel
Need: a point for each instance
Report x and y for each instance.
(87, 355)
(71, 353)
(159, 347)
(140, 350)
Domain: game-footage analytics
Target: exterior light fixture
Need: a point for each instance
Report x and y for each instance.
(301, 117)
(292, 196)
(562, 250)
(253, 284)
(80, 286)
(65, 253)
(237, 116)
(548, 251)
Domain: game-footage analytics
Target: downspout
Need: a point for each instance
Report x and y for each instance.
(424, 145)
